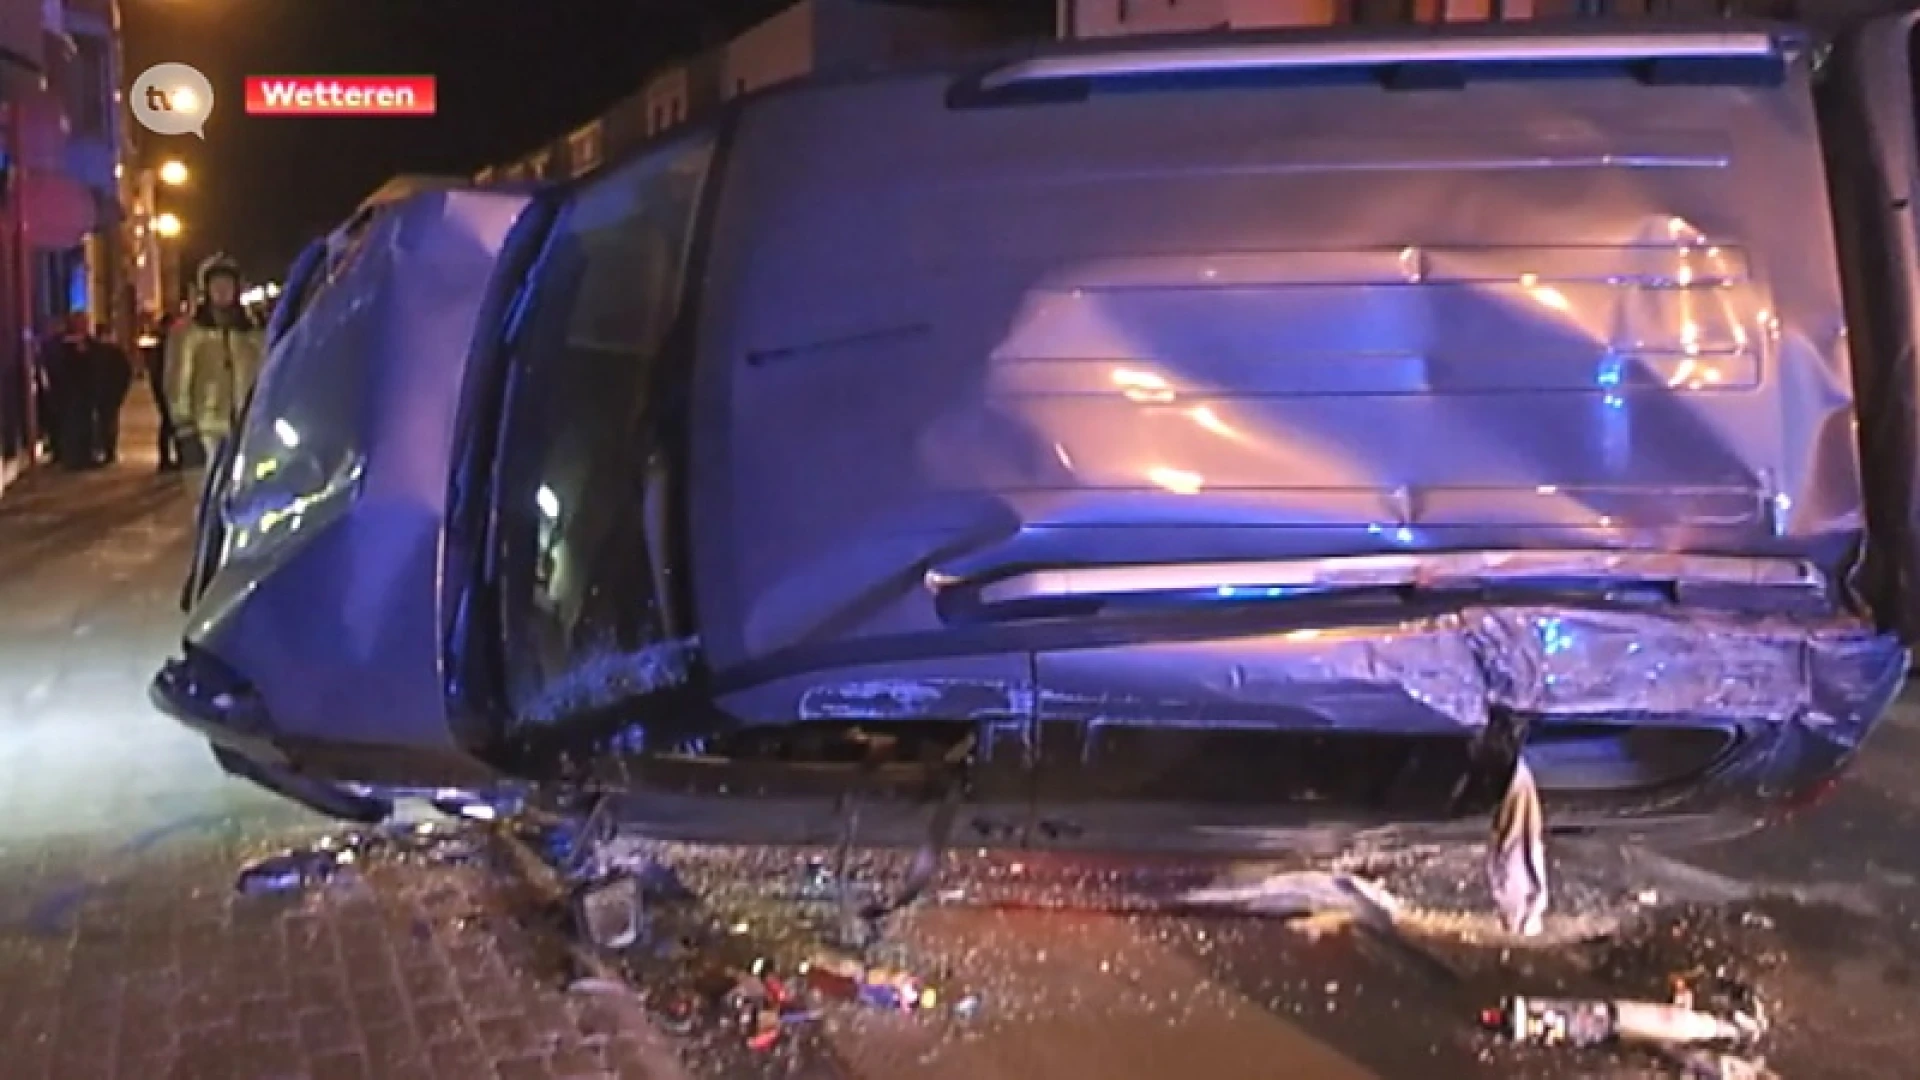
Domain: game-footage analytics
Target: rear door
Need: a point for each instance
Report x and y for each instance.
(1867, 116)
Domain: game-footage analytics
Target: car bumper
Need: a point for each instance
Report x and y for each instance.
(335, 779)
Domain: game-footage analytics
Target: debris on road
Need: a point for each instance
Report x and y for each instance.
(1599, 1022)
(289, 871)
(329, 857)
(1517, 856)
(609, 911)
(711, 968)
(1700, 1065)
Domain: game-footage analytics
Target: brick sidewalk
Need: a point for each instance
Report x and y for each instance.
(123, 951)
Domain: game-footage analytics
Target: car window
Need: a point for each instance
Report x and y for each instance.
(622, 240)
(605, 296)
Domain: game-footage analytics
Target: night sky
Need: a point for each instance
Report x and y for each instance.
(511, 73)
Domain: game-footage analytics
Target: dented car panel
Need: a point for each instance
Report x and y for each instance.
(1204, 466)
(321, 628)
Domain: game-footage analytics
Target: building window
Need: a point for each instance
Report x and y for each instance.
(583, 149)
(92, 85)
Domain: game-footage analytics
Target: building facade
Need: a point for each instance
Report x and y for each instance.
(807, 37)
(61, 243)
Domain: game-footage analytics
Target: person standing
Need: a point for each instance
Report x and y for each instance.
(153, 358)
(211, 362)
(109, 377)
(67, 364)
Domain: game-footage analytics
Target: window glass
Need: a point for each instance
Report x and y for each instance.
(580, 580)
(92, 84)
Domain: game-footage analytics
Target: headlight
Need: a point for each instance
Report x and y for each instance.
(285, 476)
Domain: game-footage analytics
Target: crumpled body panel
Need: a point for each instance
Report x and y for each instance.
(328, 598)
(1449, 672)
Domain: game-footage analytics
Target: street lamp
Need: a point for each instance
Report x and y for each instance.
(167, 225)
(173, 174)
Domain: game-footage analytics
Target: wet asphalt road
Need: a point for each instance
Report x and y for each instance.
(122, 952)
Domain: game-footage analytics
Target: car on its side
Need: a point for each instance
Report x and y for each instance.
(1167, 444)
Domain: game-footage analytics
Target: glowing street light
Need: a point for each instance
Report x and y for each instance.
(173, 174)
(167, 225)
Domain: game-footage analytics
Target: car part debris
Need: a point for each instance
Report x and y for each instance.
(861, 926)
(609, 911)
(1517, 856)
(467, 805)
(1302, 893)
(1698, 1065)
(323, 860)
(1598, 1022)
(288, 871)
(594, 984)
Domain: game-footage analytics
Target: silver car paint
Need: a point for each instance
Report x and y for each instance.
(1252, 324)
(343, 487)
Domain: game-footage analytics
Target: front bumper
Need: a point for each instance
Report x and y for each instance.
(335, 779)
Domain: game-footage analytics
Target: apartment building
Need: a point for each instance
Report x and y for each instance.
(807, 37)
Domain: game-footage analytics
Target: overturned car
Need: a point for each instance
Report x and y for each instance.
(1177, 445)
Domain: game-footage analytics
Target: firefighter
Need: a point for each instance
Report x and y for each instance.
(212, 359)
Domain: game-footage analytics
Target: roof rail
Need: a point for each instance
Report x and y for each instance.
(1281, 56)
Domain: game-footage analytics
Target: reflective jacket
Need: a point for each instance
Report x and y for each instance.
(210, 369)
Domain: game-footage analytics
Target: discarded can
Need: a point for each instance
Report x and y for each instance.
(1574, 1022)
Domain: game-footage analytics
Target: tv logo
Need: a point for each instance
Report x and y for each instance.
(172, 99)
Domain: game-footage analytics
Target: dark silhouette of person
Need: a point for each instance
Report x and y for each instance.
(153, 356)
(68, 368)
(109, 377)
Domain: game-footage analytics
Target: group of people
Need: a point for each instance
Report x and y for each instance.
(83, 380)
(201, 370)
